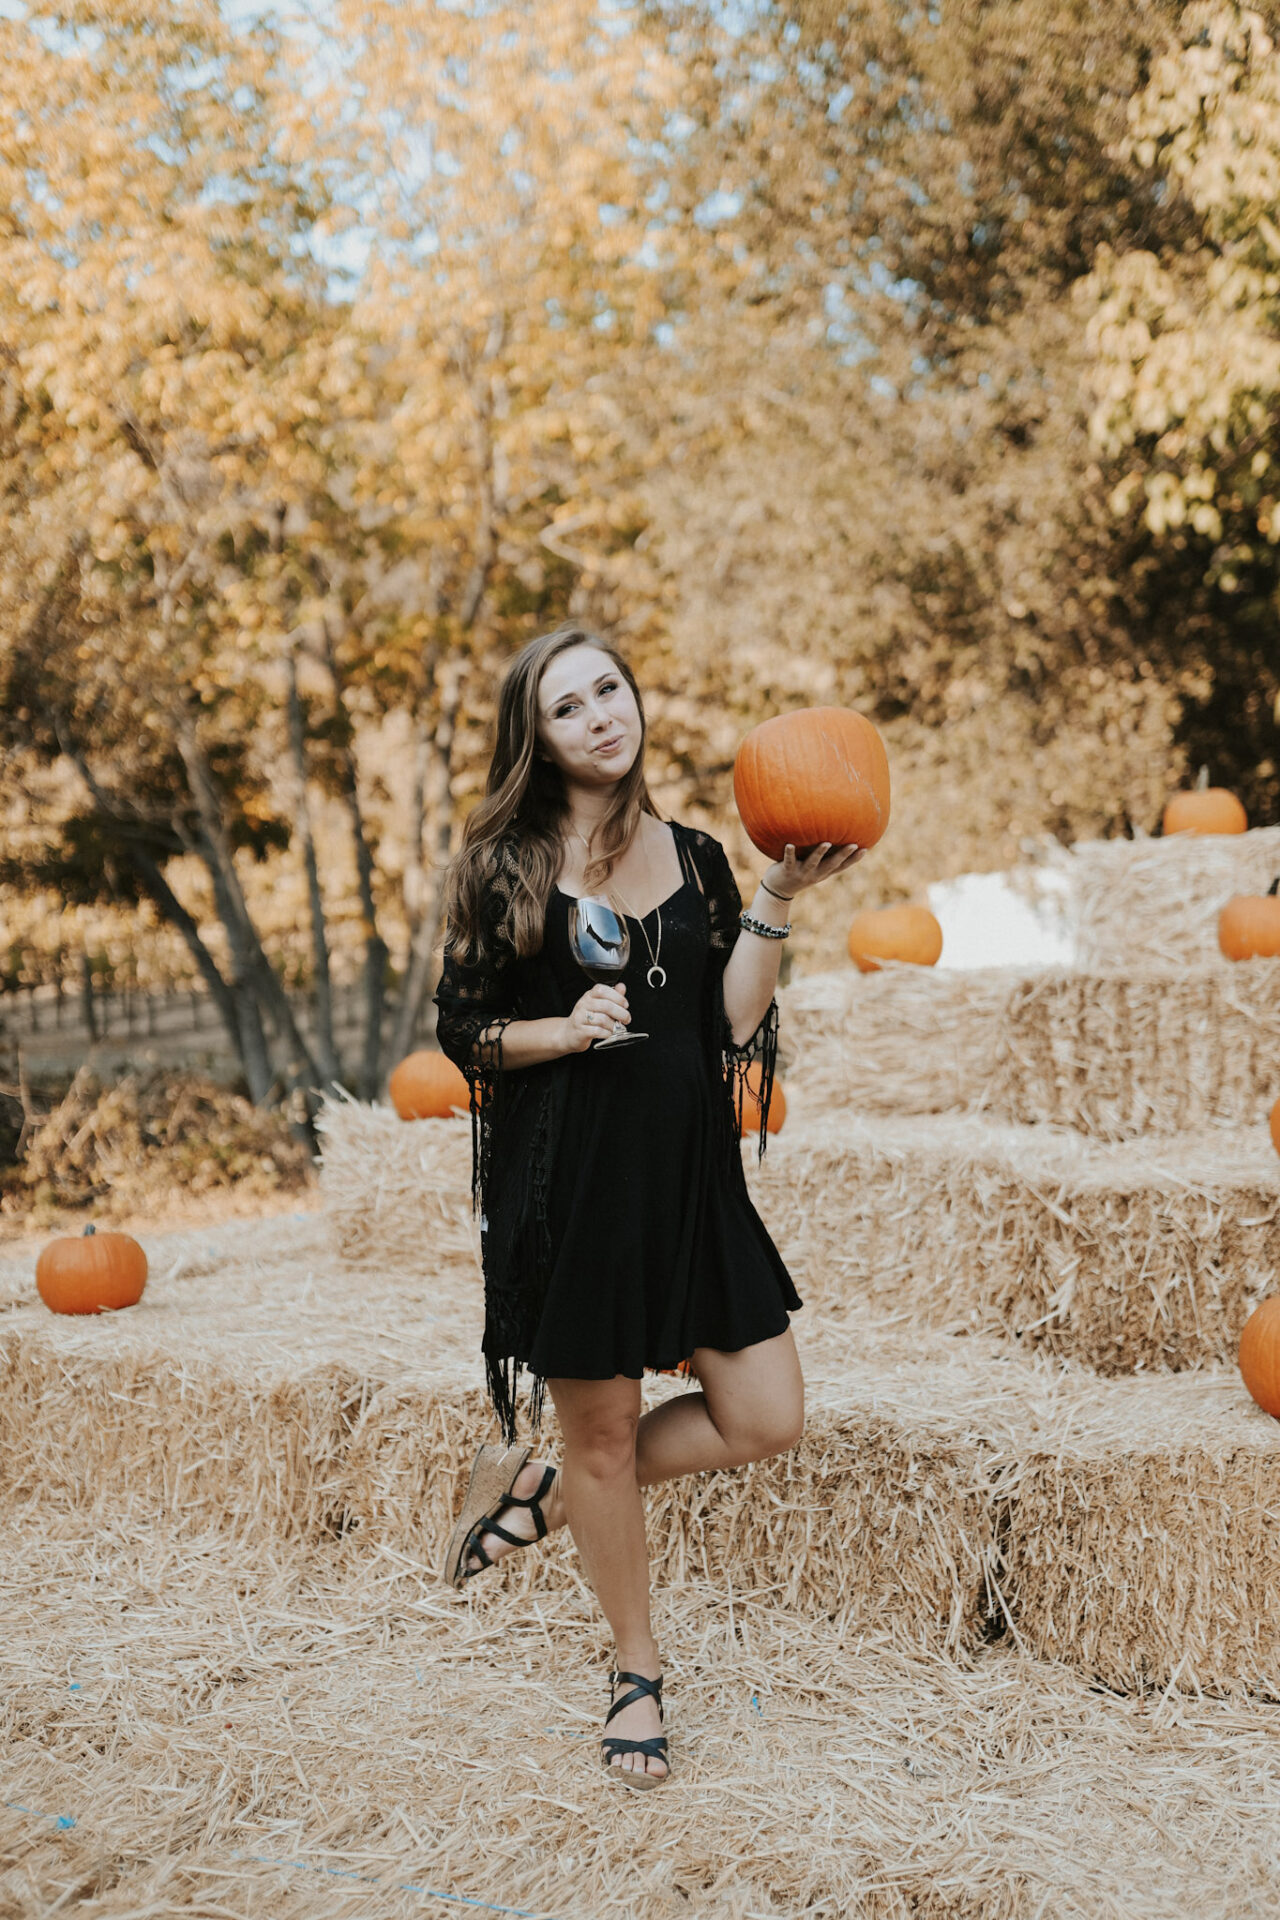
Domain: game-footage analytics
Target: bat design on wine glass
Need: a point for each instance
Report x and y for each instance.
(601, 943)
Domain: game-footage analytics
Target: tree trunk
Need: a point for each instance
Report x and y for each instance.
(87, 1003)
(439, 812)
(172, 910)
(375, 947)
(258, 973)
(254, 1051)
(167, 902)
(322, 992)
(439, 808)
(415, 878)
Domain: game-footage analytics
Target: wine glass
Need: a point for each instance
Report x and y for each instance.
(601, 946)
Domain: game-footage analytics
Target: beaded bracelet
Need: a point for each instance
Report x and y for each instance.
(762, 927)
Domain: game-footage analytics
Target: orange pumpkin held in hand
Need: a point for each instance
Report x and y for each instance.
(1206, 810)
(1249, 925)
(427, 1086)
(751, 1103)
(91, 1271)
(1260, 1355)
(820, 773)
(894, 933)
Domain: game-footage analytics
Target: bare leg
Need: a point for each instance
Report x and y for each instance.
(605, 1513)
(750, 1406)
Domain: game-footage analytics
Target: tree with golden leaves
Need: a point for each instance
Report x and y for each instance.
(248, 510)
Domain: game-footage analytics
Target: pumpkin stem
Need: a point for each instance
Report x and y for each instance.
(90, 1229)
(1274, 888)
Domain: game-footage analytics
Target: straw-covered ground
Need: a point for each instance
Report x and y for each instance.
(283, 1733)
(1114, 1055)
(1147, 1255)
(1135, 902)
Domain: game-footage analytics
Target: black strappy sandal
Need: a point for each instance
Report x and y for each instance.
(490, 1473)
(653, 1748)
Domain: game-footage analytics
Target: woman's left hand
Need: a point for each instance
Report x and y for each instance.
(791, 874)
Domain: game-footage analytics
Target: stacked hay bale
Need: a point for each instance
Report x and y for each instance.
(1113, 1054)
(1149, 1254)
(1143, 902)
(1077, 1162)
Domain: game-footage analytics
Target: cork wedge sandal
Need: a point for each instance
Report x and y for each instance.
(489, 1495)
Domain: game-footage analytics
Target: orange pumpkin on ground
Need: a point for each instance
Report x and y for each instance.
(1249, 925)
(820, 773)
(88, 1272)
(751, 1103)
(1260, 1354)
(427, 1086)
(894, 933)
(1207, 810)
(1275, 1126)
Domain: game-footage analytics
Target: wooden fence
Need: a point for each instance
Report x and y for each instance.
(57, 1027)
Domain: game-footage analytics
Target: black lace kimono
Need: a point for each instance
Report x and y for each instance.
(617, 1232)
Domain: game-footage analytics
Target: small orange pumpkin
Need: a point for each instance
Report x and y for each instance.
(820, 773)
(1260, 1354)
(1275, 1126)
(751, 1102)
(1249, 925)
(91, 1271)
(1206, 810)
(894, 933)
(427, 1086)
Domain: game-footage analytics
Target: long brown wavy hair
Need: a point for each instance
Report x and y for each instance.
(512, 840)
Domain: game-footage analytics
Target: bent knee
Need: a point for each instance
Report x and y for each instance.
(777, 1432)
(786, 1432)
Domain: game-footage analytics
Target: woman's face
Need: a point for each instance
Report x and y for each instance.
(588, 721)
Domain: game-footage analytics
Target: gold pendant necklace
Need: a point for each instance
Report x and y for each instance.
(661, 972)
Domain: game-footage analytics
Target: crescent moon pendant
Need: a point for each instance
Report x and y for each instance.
(661, 972)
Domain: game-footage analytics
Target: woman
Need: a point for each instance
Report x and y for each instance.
(617, 1233)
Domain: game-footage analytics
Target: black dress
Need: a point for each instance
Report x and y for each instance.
(655, 1252)
(617, 1232)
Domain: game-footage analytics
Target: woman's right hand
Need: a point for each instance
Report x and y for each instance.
(593, 1017)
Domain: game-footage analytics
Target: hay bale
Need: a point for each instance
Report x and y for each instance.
(891, 1460)
(883, 1519)
(903, 1040)
(1150, 1255)
(396, 1191)
(1142, 1544)
(1114, 1055)
(1153, 1051)
(1138, 902)
(286, 1397)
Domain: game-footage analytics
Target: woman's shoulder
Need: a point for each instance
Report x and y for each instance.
(693, 836)
(699, 841)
